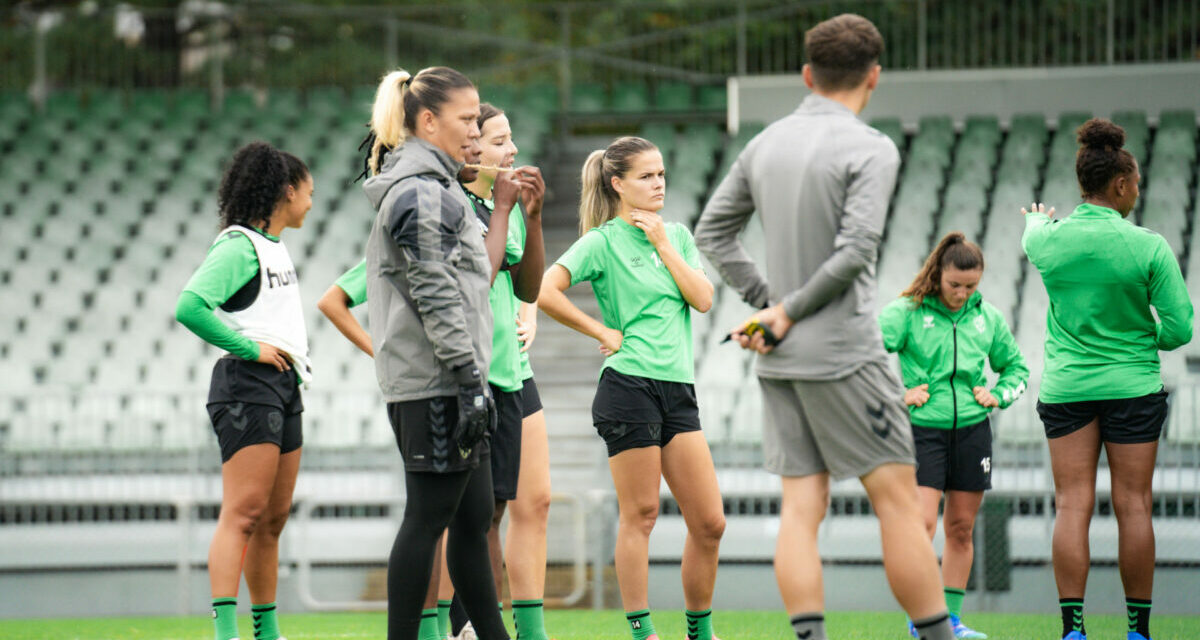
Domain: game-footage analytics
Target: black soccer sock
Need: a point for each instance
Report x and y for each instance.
(1139, 615)
(1072, 615)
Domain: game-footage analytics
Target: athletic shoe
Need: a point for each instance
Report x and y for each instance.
(467, 633)
(1074, 635)
(1133, 635)
(963, 632)
(912, 630)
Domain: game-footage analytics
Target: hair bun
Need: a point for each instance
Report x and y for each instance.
(1099, 133)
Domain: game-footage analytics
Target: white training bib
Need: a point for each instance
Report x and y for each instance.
(276, 316)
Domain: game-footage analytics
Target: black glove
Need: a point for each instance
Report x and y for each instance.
(475, 409)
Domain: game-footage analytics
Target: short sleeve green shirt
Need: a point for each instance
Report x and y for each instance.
(638, 297)
(354, 283)
(505, 371)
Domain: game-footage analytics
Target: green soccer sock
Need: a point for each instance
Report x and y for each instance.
(529, 619)
(640, 624)
(1139, 616)
(699, 624)
(954, 600)
(224, 613)
(266, 624)
(429, 625)
(443, 618)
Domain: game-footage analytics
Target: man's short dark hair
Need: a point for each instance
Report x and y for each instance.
(842, 50)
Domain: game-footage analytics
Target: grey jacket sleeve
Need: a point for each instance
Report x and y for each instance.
(868, 191)
(424, 222)
(724, 217)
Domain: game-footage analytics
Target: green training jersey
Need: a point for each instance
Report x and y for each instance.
(505, 370)
(1103, 274)
(948, 350)
(638, 297)
(230, 264)
(354, 283)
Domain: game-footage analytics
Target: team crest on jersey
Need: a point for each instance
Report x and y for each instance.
(928, 322)
(980, 324)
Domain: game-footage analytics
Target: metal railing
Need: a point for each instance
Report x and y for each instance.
(218, 46)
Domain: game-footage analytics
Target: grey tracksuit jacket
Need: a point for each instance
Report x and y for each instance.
(821, 180)
(428, 275)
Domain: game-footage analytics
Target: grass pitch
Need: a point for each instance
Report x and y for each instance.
(590, 625)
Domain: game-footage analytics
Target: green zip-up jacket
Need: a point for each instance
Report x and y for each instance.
(947, 350)
(1103, 274)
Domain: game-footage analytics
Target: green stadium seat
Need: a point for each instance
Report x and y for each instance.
(673, 96)
(588, 98)
(983, 126)
(191, 105)
(1069, 121)
(500, 95)
(541, 97)
(629, 97)
(928, 151)
(1174, 144)
(892, 128)
(63, 105)
(709, 134)
(239, 103)
(965, 195)
(326, 101)
(939, 126)
(1179, 119)
(1133, 121)
(285, 103)
(149, 105)
(14, 105)
(662, 134)
(712, 98)
(103, 105)
(361, 98)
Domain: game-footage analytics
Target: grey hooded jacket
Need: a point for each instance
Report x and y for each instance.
(427, 275)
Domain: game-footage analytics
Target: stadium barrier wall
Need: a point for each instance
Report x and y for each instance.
(911, 95)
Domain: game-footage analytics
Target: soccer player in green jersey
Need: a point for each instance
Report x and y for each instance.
(245, 298)
(520, 450)
(944, 333)
(647, 278)
(1106, 278)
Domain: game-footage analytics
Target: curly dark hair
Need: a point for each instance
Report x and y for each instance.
(254, 182)
(1101, 156)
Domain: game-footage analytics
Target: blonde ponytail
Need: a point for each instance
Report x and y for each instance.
(400, 98)
(596, 206)
(598, 201)
(387, 116)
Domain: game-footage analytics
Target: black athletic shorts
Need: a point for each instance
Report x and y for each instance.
(531, 400)
(425, 435)
(954, 459)
(631, 412)
(506, 444)
(1124, 421)
(252, 403)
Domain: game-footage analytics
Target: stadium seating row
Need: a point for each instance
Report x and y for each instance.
(93, 258)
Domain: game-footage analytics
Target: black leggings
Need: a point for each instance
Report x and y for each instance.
(463, 501)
